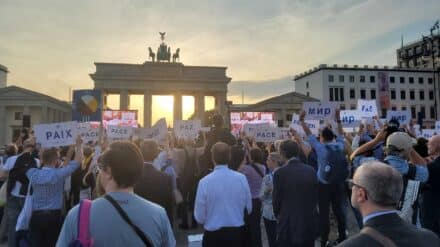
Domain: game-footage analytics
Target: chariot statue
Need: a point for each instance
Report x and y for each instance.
(164, 52)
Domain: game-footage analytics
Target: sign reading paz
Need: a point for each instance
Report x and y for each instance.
(56, 134)
(319, 111)
(187, 129)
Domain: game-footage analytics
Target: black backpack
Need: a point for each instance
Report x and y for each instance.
(335, 169)
(23, 163)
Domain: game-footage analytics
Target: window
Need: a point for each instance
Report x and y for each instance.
(341, 78)
(421, 81)
(342, 107)
(393, 94)
(341, 94)
(432, 112)
(18, 115)
(431, 95)
(280, 123)
(352, 78)
(402, 94)
(330, 94)
(393, 108)
(392, 79)
(403, 108)
(352, 93)
(411, 80)
(363, 94)
(373, 93)
(336, 94)
(307, 84)
(352, 107)
(429, 80)
(402, 79)
(362, 78)
(412, 95)
(422, 95)
(308, 94)
(422, 111)
(331, 78)
(289, 117)
(413, 112)
(372, 79)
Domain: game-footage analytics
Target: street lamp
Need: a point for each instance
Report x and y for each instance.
(430, 51)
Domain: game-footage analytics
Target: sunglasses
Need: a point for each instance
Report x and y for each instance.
(352, 184)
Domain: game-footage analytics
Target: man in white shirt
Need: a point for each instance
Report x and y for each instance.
(221, 200)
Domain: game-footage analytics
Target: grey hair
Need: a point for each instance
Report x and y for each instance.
(392, 150)
(383, 183)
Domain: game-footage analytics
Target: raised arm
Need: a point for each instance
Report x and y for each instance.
(380, 137)
(306, 129)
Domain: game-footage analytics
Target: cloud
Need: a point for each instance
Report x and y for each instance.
(51, 45)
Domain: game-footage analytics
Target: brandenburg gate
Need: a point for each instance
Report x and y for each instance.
(161, 76)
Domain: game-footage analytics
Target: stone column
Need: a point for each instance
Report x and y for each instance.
(123, 100)
(177, 109)
(220, 103)
(2, 124)
(199, 108)
(26, 110)
(147, 109)
(44, 114)
(283, 116)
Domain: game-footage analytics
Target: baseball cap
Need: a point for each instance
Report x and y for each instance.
(401, 140)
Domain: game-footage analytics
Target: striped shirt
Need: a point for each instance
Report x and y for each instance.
(48, 185)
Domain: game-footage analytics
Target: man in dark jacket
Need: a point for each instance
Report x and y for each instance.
(376, 190)
(295, 198)
(155, 186)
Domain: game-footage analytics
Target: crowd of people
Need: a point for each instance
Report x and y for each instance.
(137, 192)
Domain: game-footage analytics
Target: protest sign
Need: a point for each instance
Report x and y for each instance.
(56, 134)
(350, 118)
(284, 133)
(437, 126)
(158, 131)
(88, 132)
(270, 134)
(250, 128)
(119, 132)
(86, 105)
(402, 116)
(312, 124)
(187, 129)
(428, 133)
(367, 108)
(319, 111)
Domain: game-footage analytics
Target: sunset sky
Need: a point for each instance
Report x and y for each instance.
(50, 46)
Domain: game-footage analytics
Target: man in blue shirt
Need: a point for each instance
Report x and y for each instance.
(333, 192)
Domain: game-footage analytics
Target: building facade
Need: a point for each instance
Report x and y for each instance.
(418, 54)
(283, 106)
(16, 102)
(409, 88)
(3, 76)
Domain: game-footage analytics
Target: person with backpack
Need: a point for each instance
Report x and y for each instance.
(17, 185)
(120, 218)
(332, 173)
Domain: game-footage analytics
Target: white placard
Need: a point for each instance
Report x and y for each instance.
(437, 126)
(404, 117)
(367, 108)
(270, 134)
(119, 132)
(428, 133)
(56, 134)
(158, 131)
(250, 128)
(284, 133)
(350, 118)
(205, 129)
(319, 111)
(88, 133)
(312, 124)
(187, 129)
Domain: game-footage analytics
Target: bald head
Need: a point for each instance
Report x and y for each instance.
(220, 153)
(383, 183)
(434, 145)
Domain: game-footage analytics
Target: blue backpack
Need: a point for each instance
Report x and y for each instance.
(335, 169)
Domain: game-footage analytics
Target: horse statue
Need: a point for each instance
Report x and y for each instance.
(176, 55)
(151, 55)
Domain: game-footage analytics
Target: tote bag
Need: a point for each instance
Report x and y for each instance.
(25, 215)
